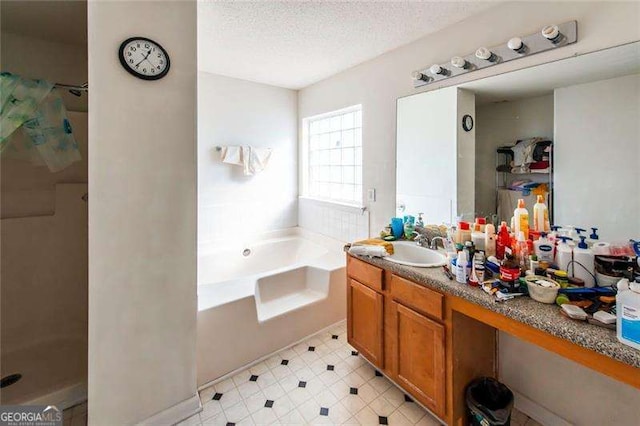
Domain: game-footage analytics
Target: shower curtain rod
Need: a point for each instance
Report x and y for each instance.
(81, 88)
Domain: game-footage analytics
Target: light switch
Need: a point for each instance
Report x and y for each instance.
(371, 195)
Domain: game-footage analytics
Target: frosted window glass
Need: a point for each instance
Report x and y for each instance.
(334, 162)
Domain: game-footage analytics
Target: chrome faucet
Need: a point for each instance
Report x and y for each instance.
(422, 240)
(434, 243)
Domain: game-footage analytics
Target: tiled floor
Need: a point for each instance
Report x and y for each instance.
(320, 381)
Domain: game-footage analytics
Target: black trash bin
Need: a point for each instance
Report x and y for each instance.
(489, 402)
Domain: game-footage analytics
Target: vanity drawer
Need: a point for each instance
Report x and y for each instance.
(416, 296)
(365, 273)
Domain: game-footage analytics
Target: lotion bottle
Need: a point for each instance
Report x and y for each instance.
(461, 267)
(521, 219)
(540, 215)
(564, 253)
(543, 248)
(583, 265)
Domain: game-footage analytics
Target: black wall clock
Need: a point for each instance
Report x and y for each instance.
(144, 58)
(467, 123)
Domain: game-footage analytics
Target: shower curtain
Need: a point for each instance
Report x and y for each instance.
(40, 111)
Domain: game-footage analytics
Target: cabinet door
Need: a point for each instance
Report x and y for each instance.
(420, 357)
(364, 321)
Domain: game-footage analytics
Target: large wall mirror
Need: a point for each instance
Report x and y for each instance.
(568, 130)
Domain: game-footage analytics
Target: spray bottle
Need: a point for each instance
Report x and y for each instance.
(503, 242)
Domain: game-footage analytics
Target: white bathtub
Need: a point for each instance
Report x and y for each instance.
(250, 306)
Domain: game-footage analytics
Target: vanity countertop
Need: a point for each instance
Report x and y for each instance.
(523, 309)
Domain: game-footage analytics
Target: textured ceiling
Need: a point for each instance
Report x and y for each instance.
(297, 43)
(59, 21)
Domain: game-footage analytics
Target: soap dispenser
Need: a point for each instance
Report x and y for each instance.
(564, 253)
(543, 248)
(628, 311)
(583, 265)
(594, 237)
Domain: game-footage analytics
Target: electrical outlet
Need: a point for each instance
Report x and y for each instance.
(371, 195)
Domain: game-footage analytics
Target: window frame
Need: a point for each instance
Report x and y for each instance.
(305, 166)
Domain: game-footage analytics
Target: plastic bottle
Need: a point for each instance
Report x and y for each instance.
(594, 237)
(564, 253)
(522, 252)
(628, 310)
(462, 271)
(540, 215)
(583, 265)
(490, 240)
(482, 223)
(543, 248)
(503, 241)
(478, 239)
(521, 219)
(463, 233)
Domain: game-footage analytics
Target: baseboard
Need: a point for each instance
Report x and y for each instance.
(177, 413)
(537, 412)
(266, 357)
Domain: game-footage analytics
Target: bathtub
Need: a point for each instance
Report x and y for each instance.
(259, 297)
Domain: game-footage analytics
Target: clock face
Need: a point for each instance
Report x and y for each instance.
(144, 58)
(467, 123)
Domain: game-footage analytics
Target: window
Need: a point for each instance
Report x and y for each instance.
(332, 156)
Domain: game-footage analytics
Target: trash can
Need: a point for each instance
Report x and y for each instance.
(489, 402)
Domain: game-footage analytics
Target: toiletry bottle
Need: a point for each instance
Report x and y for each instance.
(478, 238)
(553, 235)
(420, 222)
(543, 248)
(522, 252)
(464, 232)
(521, 219)
(540, 215)
(409, 230)
(628, 311)
(564, 253)
(482, 222)
(490, 240)
(503, 241)
(594, 237)
(583, 265)
(461, 267)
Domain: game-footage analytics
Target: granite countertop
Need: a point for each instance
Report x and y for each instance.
(523, 309)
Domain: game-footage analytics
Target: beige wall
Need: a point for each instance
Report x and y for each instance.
(378, 83)
(142, 226)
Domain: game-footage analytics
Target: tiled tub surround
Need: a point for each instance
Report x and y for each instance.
(289, 286)
(322, 380)
(338, 221)
(523, 309)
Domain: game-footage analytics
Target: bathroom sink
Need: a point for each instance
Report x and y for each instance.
(410, 254)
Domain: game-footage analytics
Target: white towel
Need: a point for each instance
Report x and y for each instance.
(369, 250)
(231, 155)
(253, 160)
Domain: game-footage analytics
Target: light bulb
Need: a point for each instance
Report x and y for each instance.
(436, 69)
(516, 45)
(551, 33)
(418, 76)
(485, 54)
(458, 62)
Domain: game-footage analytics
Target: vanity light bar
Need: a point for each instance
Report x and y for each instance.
(550, 37)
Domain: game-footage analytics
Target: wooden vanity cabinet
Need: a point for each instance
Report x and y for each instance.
(396, 325)
(365, 322)
(419, 349)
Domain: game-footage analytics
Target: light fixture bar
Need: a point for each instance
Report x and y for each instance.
(549, 38)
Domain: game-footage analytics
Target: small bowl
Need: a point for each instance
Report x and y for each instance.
(540, 293)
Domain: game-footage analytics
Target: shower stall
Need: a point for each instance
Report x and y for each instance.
(43, 229)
